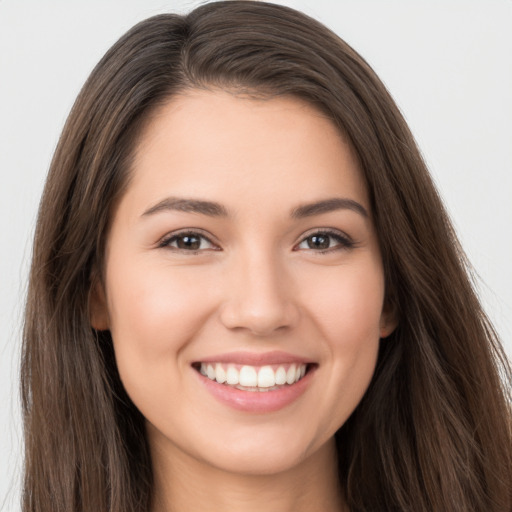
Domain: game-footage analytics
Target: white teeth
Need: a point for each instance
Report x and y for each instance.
(290, 375)
(266, 377)
(281, 376)
(248, 376)
(232, 376)
(220, 374)
(263, 378)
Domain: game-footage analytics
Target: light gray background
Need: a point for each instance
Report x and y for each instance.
(447, 63)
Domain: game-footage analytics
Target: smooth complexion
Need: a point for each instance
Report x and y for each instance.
(245, 235)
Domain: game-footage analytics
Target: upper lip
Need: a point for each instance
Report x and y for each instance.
(255, 358)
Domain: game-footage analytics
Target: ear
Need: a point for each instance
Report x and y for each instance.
(98, 311)
(388, 320)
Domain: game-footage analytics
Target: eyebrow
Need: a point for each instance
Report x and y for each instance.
(189, 206)
(328, 205)
(213, 209)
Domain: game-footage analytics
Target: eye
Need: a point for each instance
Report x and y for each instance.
(323, 241)
(189, 241)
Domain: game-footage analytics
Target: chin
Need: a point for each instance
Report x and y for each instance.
(264, 454)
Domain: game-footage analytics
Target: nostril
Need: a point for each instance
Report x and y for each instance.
(259, 310)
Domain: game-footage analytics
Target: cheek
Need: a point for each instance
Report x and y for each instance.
(151, 306)
(154, 312)
(347, 305)
(347, 312)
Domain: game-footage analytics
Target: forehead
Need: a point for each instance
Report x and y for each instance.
(243, 150)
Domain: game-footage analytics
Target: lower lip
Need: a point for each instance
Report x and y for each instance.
(257, 401)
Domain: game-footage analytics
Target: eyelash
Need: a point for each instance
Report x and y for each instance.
(174, 237)
(344, 242)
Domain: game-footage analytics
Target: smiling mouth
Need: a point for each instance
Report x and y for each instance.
(254, 378)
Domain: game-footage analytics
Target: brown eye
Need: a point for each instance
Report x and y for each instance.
(321, 241)
(191, 242)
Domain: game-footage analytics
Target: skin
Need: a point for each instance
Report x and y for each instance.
(257, 285)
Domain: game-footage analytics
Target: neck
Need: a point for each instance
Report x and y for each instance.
(183, 483)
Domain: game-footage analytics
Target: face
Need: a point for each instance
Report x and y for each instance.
(243, 282)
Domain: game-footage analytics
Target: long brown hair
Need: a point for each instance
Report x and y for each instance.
(432, 432)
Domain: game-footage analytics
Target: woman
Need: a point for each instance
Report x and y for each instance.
(245, 291)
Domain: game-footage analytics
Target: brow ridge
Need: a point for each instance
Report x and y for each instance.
(199, 206)
(214, 209)
(328, 205)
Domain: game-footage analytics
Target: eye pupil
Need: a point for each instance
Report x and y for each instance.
(318, 242)
(188, 242)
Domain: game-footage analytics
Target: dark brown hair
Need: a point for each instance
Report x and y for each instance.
(432, 432)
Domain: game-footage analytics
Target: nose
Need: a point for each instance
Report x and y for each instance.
(259, 297)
